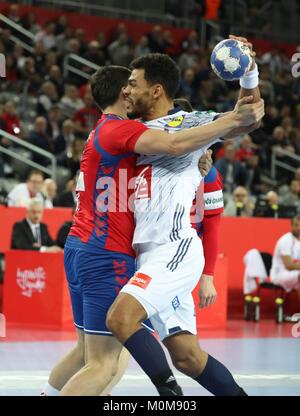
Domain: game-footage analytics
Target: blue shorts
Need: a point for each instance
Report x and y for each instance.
(95, 278)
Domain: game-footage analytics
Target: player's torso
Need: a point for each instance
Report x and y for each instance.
(103, 218)
(287, 245)
(166, 186)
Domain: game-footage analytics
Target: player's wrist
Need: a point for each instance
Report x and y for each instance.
(250, 80)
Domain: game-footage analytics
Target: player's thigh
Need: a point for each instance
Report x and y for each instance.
(182, 318)
(102, 277)
(289, 280)
(126, 308)
(75, 289)
(166, 275)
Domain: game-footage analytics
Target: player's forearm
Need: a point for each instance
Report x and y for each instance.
(192, 139)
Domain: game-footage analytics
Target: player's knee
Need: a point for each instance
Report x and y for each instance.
(108, 365)
(116, 322)
(188, 363)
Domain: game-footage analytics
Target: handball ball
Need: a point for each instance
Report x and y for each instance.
(230, 59)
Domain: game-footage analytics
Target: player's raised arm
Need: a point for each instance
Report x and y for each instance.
(159, 142)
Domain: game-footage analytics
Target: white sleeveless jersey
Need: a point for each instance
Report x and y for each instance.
(166, 185)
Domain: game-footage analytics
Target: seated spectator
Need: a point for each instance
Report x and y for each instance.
(247, 149)
(285, 270)
(156, 40)
(47, 98)
(121, 51)
(240, 205)
(40, 138)
(54, 122)
(95, 55)
(267, 206)
(86, 118)
(54, 75)
(292, 197)
(21, 194)
(49, 192)
(11, 121)
(47, 36)
(68, 197)
(31, 233)
(71, 159)
(232, 171)
(254, 181)
(70, 102)
(63, 142)
(142, 48)
(29, 22)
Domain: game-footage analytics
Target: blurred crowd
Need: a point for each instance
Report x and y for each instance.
(43, 103)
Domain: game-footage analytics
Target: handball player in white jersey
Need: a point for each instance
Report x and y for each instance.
(169, 253)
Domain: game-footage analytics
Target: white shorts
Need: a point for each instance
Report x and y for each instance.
(165, 278)
(288, 279)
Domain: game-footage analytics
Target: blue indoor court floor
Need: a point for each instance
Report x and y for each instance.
(264, 358)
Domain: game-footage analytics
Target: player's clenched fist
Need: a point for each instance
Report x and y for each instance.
(248, 113)
(207, 291)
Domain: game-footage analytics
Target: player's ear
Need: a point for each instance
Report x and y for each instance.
(157, 90)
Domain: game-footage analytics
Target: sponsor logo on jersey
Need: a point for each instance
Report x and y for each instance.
(141, 280)
(31, 281)
(213, 200)
(175, 303)
(176, 122)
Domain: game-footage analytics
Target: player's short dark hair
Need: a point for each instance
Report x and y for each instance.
(184, 104)
(106, 84)
(159, 69)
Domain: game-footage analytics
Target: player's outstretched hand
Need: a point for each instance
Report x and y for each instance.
(207, 291)
(205, 163)
(248, 44)
(248, 113)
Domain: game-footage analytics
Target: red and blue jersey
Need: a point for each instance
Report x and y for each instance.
(104, 217)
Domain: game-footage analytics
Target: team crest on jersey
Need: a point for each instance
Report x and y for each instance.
(176, 122)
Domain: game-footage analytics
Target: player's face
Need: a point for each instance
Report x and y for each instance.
(139, 95)
(296, 228)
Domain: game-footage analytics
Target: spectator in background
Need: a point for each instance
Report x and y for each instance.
(10, 119)
(47, 36)
(68, 197)
(20, 195)
(239, 205)
(285, 270)
(55, 76)
(47, 98)
(246, 150)
(70, 102)
(63, 142)
(31, 233)
(86, 118)
(292, 197)
(142, 48)
(188, 59)
(62, 40)
(61, 24)
(14, 14)
(267, 206)
(40, 138)
(30, 76)
(192, 42)
(121, 52)
(49, 192)
(232, 171)
(156, 40)
(29, 22)
(71, 159)
(254, 181)
(54, 122)
(95, 55)
(187, 85)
